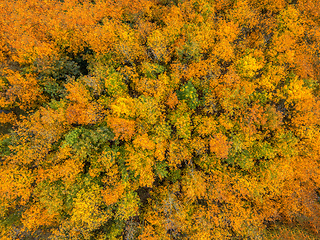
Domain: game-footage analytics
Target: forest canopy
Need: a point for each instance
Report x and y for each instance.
(159, 119)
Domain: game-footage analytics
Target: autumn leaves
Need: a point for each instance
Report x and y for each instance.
(159, 119)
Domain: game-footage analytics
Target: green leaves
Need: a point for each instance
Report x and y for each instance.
(160, 169)
(72, 137)
(128, 206)
(152, 70)
(189, 94)
(148, 109)
(115, 85)
(86, 143)
(5, 142)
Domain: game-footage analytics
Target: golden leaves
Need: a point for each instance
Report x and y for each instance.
(224, 50)
(310, 7)
(271, 77)
(149, 110)
(124, 107)
(77, 92)
(194, 185)
(160, 151)
(228, 30)
(178, 152)
(248, 66)
(174, 22)
(220, 145)
(270, 5)
(67, 171)
(15, 183)
(205, 126)
(141, 163)
(297, 92)
(102, 38)
(112, 195)
(244, 14)
(289, 19)
(8, 118)
(86, 212)
(158, 46)
(144, 142)
(172, 100)
(128, 46)
(81, 110)
(36, 216)
(23, 91)
(128, 206)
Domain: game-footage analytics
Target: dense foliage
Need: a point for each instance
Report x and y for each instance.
(159, 119)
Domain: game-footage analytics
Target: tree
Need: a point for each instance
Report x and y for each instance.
(159, 119)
